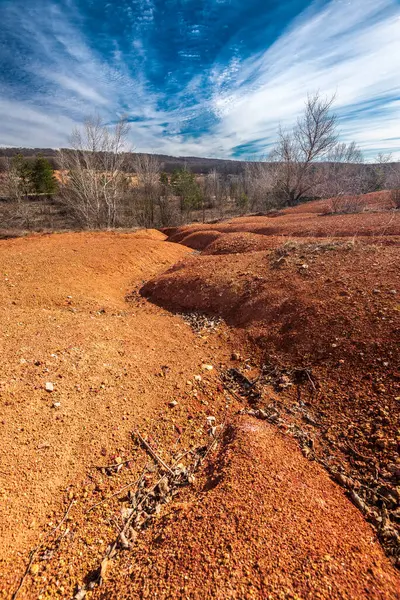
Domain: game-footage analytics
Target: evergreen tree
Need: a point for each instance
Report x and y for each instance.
(35, 177)
(185, 186)
(23, 172)
(42, 177)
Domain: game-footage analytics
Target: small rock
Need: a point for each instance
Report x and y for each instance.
(211, 421)
(207, 367)
(197, 377)
(172, 403)
(49, 386)
(56, 404)
(235, 356)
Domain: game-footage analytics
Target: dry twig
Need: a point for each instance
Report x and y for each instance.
(153, 454)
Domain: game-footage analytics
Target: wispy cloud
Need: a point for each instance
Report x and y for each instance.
(184, 92)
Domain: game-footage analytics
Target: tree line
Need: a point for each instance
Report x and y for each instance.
(103, 184)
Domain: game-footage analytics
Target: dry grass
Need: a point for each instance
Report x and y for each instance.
(344, 205)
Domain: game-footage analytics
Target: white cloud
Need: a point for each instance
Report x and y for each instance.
(350, 48)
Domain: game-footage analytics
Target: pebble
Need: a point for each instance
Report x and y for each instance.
(173, 403)
(207, 367)
(49, 386)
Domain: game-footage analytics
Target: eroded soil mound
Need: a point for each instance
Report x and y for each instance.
(200, 239)
(65, 322)
(263, 522)
(326, 317)
(299, 298)
(375, 201)
(239, 243)
(372, 215)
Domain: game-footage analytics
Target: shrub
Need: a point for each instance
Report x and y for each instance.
(345, 205)
(395, 197)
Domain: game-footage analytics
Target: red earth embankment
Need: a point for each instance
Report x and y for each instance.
(325, 315)
(374, 219)
(64, 320)
(263, 522)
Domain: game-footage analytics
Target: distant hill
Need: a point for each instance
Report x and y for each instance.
(194, 164)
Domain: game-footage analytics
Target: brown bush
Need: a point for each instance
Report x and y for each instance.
(395, 197)
(345, 205)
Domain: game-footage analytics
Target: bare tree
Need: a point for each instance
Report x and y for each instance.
(11, 187)
(93, 181)
(342, 178)
(15, 187)
(296, 152)
(147, 168)
(217, 191)
(261, 185)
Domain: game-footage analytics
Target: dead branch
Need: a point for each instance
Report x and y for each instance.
(153, 454)
(127, 486)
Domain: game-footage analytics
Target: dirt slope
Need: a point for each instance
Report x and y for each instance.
(64, 320)
(117, 365)
(326, 318)
(263, 523)
(376, 220)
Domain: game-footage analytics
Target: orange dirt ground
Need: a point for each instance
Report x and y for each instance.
(265, 523)
(64, 320)
(260, 520)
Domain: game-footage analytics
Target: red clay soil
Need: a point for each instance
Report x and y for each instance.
(244, 242)
(239, 243)
(300, 298)
(329, 311)
(200, 239)
(377, 220)
(64, 320)
(181, 232)
(262, 522)
(375, 201)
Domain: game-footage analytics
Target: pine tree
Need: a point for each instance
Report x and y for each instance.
(23, 172)
(185, 186)
(42, 177)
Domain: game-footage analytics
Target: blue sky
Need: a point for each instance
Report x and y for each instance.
(198, 77)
